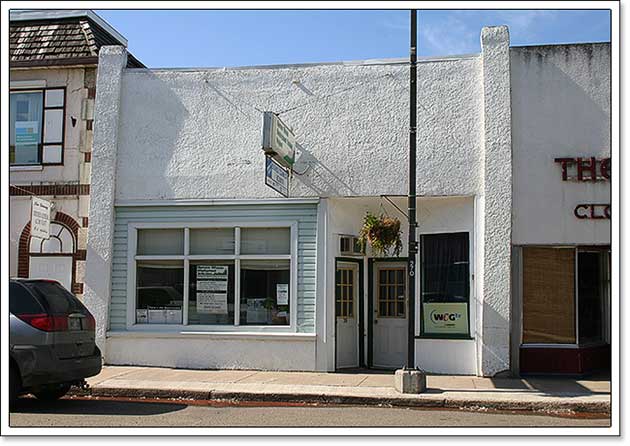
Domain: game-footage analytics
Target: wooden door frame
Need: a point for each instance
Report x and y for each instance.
(360, 307)
(370, 301)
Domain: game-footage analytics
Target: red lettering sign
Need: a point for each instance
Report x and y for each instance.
(584, 169)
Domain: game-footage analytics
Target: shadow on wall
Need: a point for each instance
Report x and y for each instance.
(317, 177)
(495, 339)
(155, 125)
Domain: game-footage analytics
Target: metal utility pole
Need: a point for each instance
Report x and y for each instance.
(413, 244)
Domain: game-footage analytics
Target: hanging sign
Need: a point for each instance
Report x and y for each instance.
(40, 218)
(212, 282)
(445, 318)
(278, 140)
(276, 177)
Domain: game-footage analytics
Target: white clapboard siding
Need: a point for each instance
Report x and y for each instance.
(304, 214)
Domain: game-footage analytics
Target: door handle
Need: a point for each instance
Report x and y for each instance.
(376, 321)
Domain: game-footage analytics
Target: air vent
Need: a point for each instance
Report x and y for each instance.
(349, 245)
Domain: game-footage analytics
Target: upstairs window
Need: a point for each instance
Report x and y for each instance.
(36, 127)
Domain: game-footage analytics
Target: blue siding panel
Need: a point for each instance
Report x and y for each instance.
(305, 215)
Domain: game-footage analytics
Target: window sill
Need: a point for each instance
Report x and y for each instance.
(33, 168)
(234, 335)
(445, 338)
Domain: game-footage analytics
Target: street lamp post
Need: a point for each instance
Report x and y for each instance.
(413, 244)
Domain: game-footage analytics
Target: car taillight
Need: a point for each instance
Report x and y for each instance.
(45, 322)
(90, 322)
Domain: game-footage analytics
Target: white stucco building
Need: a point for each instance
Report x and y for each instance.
(194, 262)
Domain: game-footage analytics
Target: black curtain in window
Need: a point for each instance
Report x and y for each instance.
(445, 274)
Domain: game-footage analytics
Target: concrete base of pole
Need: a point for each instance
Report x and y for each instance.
(410, 381)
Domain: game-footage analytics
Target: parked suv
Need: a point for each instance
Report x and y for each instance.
(51, 340)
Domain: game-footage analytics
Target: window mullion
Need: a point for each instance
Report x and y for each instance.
(186, 276)
(237, 276)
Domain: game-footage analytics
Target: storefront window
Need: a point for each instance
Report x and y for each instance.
(445, 284)
(554, 297)
(216, 268)
(160, 291)
(211, 295)
(592, 272)
(265, 292)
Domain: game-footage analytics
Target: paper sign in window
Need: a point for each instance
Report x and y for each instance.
(212, 303)
(212, 272)
(212, 285)
(282, 294)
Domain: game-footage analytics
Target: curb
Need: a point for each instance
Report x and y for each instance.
(563, 405)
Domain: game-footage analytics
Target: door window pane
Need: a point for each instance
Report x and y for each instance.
(211, 293)
(265, 292)
(25, 127)
(160, 242)
(591, 282)
(445, 284)
(549, 295)
(265, 241)
(391, 287)
(345, 292)
(160, 292)
(213, 241)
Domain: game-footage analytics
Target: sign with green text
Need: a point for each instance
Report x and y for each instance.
(445, 318)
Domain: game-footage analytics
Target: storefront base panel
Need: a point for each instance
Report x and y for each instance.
(564, 361)
(212, 352)
(447, 356)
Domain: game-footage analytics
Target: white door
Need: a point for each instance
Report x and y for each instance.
(347, 317)
(52, 267)
(390, 315)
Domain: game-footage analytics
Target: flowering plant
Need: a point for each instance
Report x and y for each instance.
(382, 232)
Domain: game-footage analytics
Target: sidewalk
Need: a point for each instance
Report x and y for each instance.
(362, 387)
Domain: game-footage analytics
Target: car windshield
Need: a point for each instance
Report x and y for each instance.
(58, 299)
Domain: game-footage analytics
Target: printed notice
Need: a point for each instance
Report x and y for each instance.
(40, 218)
(212, 272)
(212, 303)
(282, 294)
(212, 285)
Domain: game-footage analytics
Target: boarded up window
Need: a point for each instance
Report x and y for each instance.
(548, 295)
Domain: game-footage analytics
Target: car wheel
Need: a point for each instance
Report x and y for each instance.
(14, 384)
(52, 393)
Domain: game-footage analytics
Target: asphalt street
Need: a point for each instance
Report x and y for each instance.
(108, 413)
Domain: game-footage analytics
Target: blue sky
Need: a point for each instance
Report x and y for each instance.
(211, 38)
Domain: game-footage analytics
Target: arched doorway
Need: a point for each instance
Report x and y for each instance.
(53, 258)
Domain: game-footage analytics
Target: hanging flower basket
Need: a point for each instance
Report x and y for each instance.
(382, 233)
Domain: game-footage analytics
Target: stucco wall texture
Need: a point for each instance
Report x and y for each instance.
(560, 108)
(197, 134)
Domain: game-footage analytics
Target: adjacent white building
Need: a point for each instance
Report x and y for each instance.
(193, 261)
